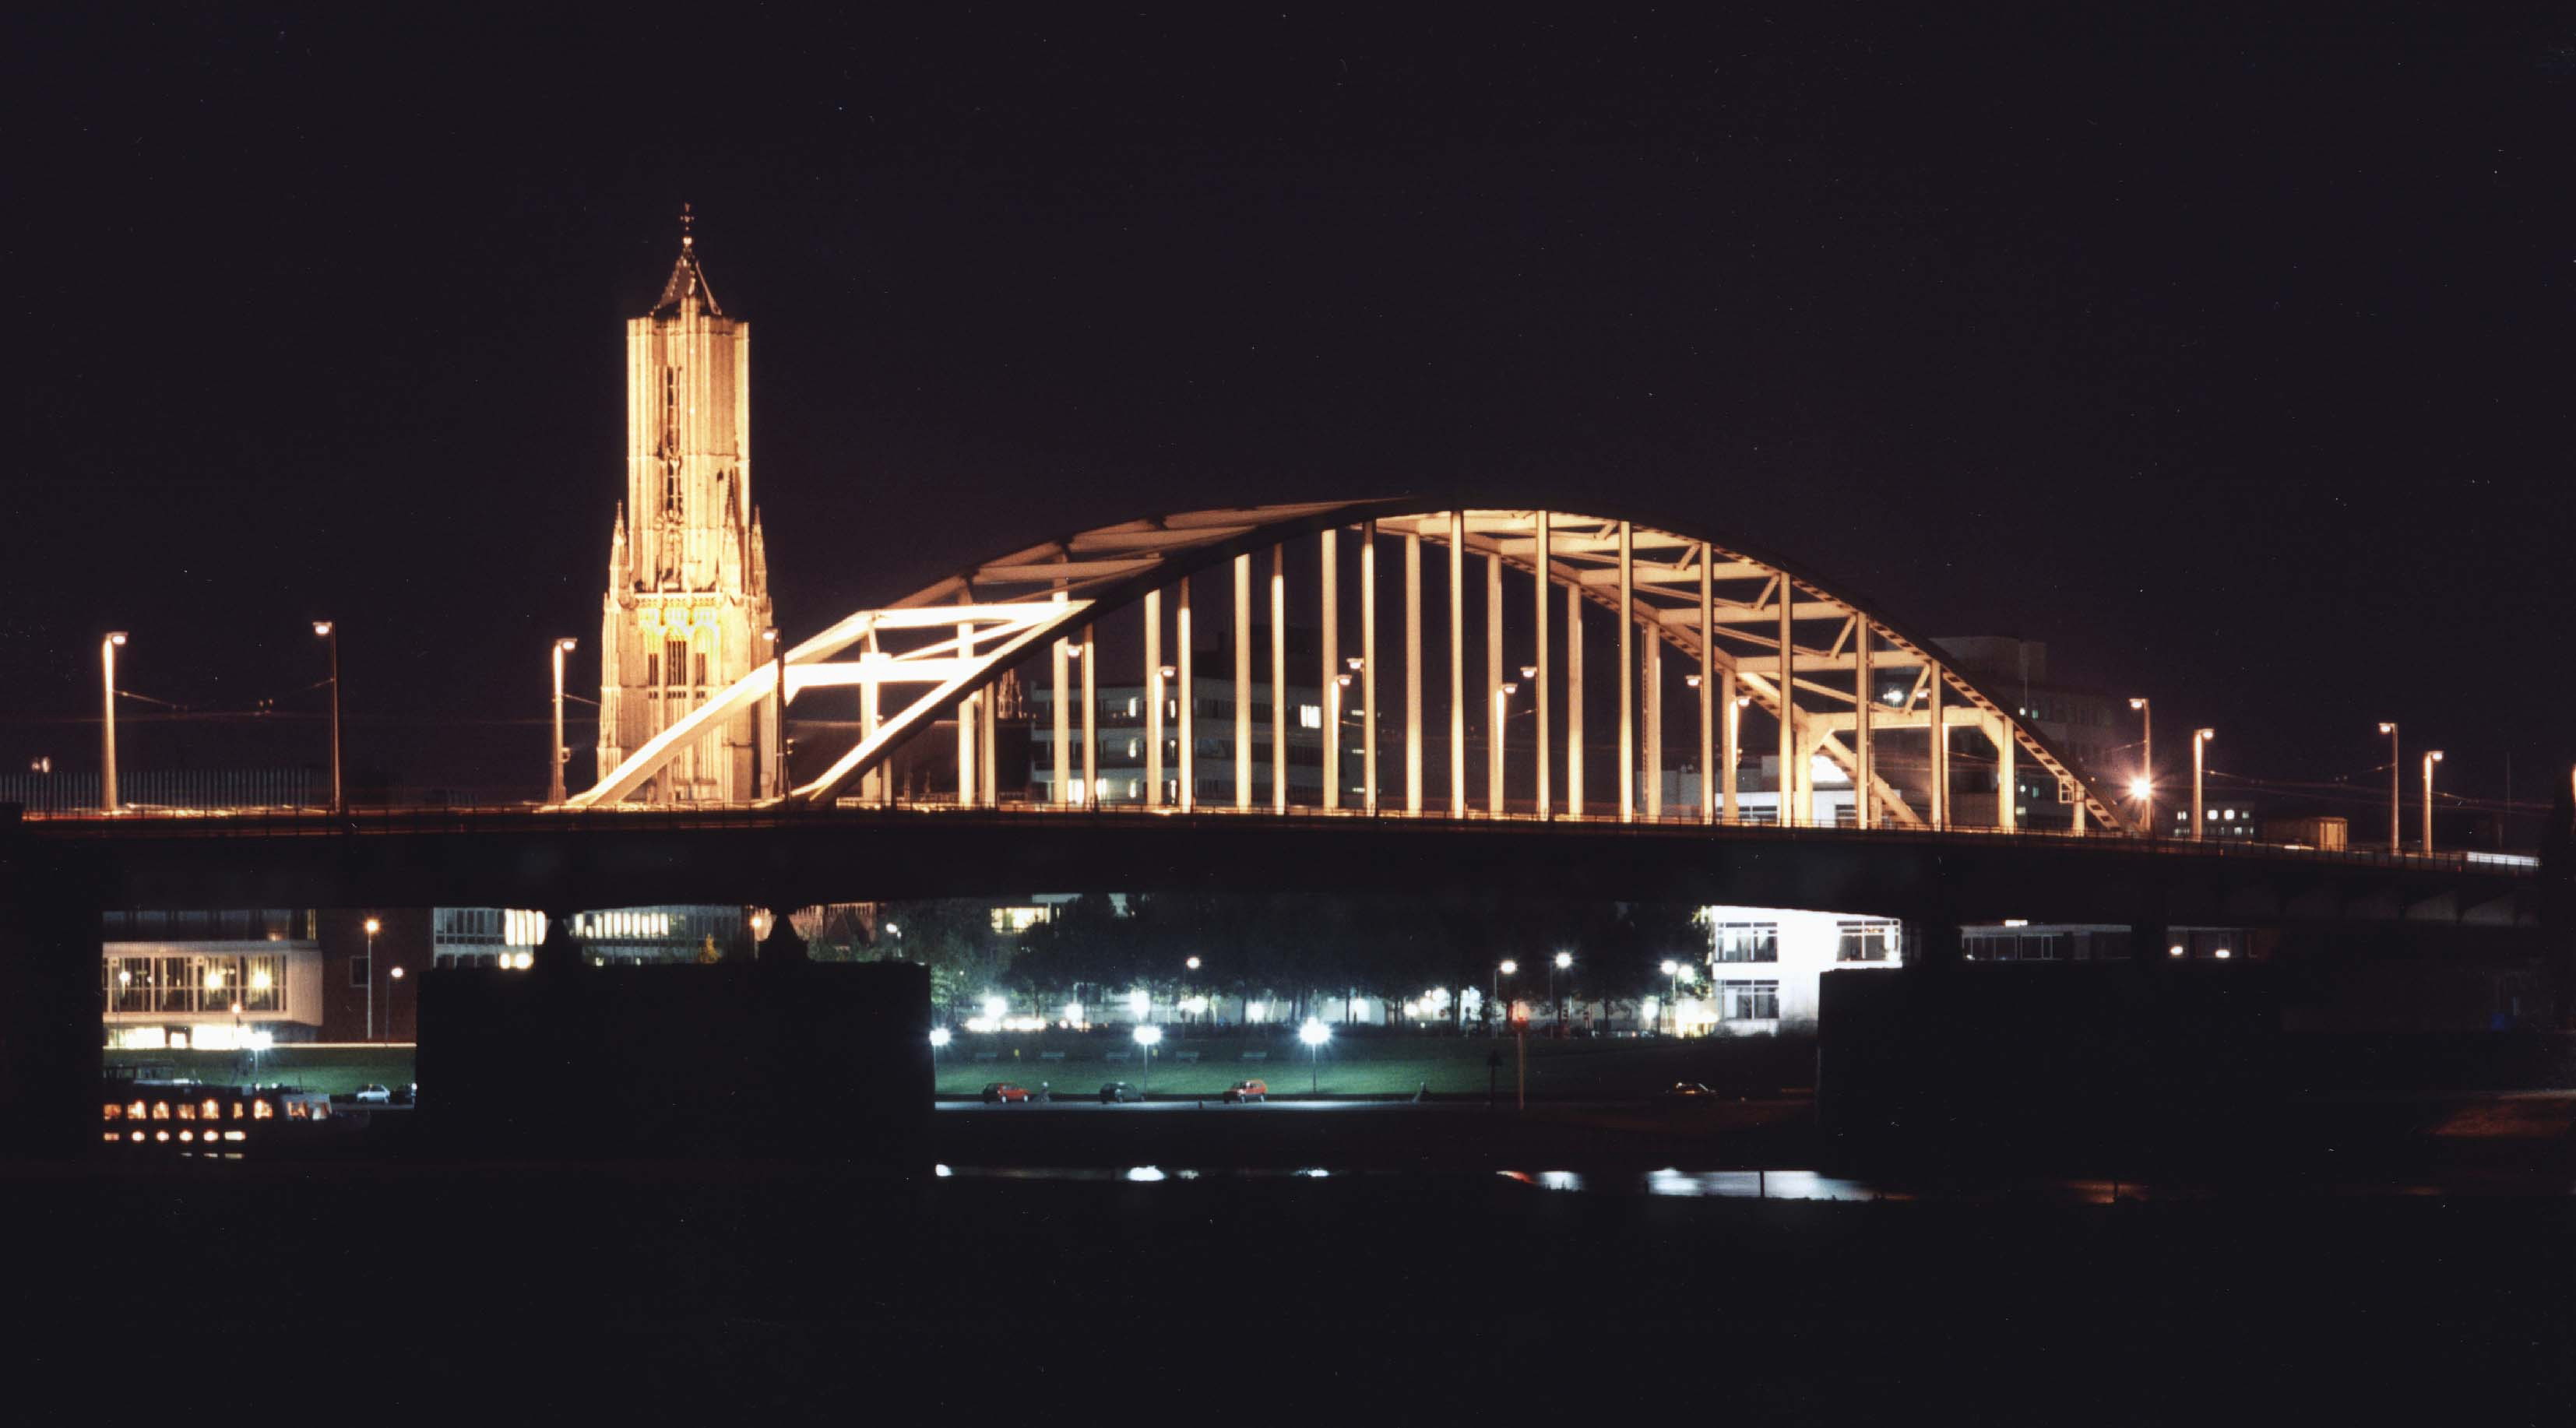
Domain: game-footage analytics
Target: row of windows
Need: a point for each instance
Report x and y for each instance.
(192, 982)
(266, 924)
(1748, 1001)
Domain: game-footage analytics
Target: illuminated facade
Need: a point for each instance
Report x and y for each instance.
(688, 576)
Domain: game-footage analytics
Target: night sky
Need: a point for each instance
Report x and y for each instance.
(2228, 353)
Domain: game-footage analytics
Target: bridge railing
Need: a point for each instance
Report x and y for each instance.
(312, 822)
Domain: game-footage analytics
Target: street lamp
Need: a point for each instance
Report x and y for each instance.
(1314, 1033)
(2393, 775)
(1147, 1038)
(555, 765)
(1672, 987)
(1564, 962)
(1502, 698)
(1505, 968)
(397, 975)
(329, 632)
(2143, 787)
(372, 927)
(107, 649)
(2431, 757)
(938, 1040)
(2199, 741)
(778, 711)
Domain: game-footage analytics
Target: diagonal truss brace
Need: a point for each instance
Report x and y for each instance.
(998, 633)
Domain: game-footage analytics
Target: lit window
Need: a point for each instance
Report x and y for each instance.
(160, 1110)
(114, 1111)
(1310, 716)
(262, 1110)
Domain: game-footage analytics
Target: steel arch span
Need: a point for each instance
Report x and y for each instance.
(1825, 674)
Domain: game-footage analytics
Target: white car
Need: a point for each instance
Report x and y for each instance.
(372, 1093)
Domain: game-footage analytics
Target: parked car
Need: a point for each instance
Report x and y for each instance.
(373, 1094)
(1002, 1093)
(1116, 1091)
(1242, 1091)
(1685, 1091)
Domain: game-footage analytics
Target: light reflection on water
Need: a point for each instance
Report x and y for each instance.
(1725, 1184)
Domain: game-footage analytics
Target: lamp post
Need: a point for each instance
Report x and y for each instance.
(329, 631)
(1148, 1037)
(107, 649)
(2394, 776)
(2143, 787)
(938, 1040)
(1505, 968)
(2199, 741)
(555, 765)
(1502, 698)
(1314, 1033)
(778, 711)
(1672, 988)
(372, 926)
(2431, 757)
(1564, 962)
(396, 973)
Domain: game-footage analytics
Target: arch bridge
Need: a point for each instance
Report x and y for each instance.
(1772, 660)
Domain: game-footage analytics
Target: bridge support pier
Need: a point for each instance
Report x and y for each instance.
(1933, 942)
(2148, 941)
(783, 944)
(52, 976)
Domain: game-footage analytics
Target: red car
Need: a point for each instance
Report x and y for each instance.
(1242, 1091)
(1003, 1092)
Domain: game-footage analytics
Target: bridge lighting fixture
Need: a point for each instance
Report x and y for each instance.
(2140, 788)
(2390, 729)
(107, 649)
(1691, 679)
(1529, 671)
(1355, 662)
(2199, 741)
(2431, 757)
(1168, 671)
(2220, 954)
(1511, 687)
(1343, 680)
(2174, 951)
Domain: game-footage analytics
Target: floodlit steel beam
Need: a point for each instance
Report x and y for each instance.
(1062, 723)
(1494, 684)
(1707, 699)
(1457, 664)
(1864, 700)
(1542, 747)
(1734, 715)
(1243, 681)
(1090, 730)
(1574, 701)
(1278, 679)
(1785, 699)
(1937, 730)
(1413, 674)
(1651, 691)
(2007, 780)
(1368, 665)
(1328, 686)
(1189, 700)
(966, 724)
(1627, 677)
(1154, 696)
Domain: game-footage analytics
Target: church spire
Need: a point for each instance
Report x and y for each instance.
(687, 279)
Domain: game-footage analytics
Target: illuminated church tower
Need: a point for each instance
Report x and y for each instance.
(688, 579)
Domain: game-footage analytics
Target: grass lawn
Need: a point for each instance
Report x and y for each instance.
(334, 1070)
(1377, 1065)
